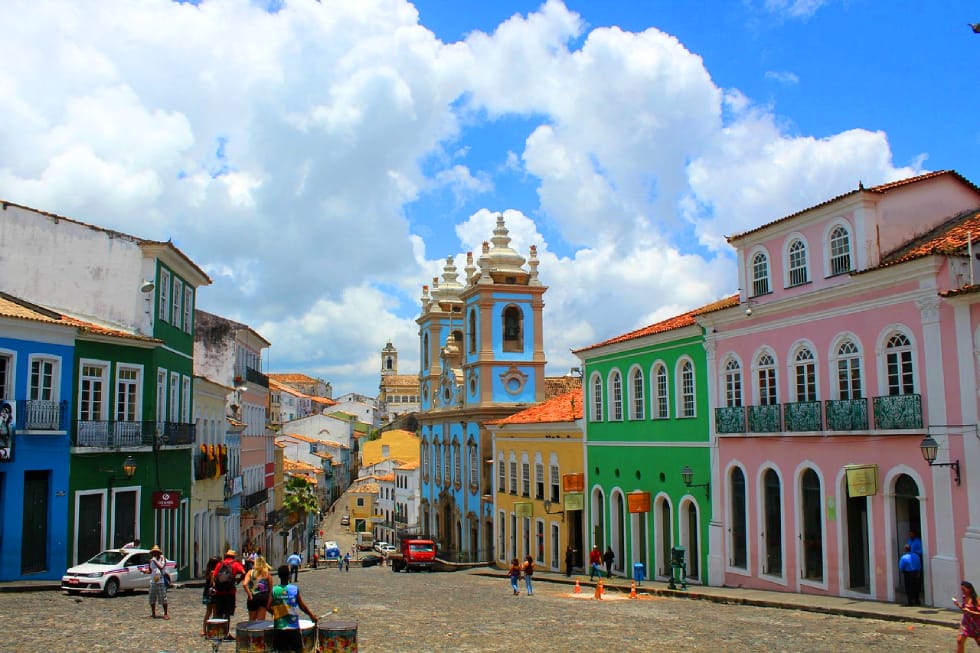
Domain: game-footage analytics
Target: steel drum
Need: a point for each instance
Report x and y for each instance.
(216, 628)
(254, 637)
(337, 636)
(309, 635)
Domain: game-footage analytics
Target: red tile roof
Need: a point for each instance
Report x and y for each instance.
(880, 189)
(949, 238)
(563, 408)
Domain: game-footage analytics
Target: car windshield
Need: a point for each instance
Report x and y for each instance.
(421, 548)
(109, 558)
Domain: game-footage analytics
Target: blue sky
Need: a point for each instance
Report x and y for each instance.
(321, 159)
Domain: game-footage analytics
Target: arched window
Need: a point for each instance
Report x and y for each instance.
(525, 477)
(797, 263)
(733, 383)
(457, 463)
(760, 274)
(596, 397)
(766, 377)
(513, 474)
(848, 371)
(773, 524)
(812, 516)
(474, 465)
(898, 359)
(616, 400)
(840, 251)
(660, 392)
(501, 474)
(637, 400)
(686, 390)
(739, 523)
(425, 351)
(513, 329)
(472, 332)
(805, 375)
(538, 480)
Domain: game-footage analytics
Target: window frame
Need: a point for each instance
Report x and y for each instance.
(761, 285)
(686, 391)
(803, 372)
(636, 387)
(659, 391)
(733, 383)
(845, 366)
(615, 396)
(595, 397)
(768, 372)
(840, 254)
(54, 386)
(797, 261)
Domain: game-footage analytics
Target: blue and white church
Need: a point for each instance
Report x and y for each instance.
(482, 358)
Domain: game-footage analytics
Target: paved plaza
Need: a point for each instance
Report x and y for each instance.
(463, 611)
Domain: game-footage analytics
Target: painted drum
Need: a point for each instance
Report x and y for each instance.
(309, 635)
(254, 637)
(337, 636)
(216, 628)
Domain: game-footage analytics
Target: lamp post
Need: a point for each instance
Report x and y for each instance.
(687, 475)
(128, 468)
(929, 448)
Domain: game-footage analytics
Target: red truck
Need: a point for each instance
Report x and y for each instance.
(415, 555)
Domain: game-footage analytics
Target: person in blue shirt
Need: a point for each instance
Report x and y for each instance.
(911, 567)
(294, 561)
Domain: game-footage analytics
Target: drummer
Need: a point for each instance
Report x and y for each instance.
(286, 604)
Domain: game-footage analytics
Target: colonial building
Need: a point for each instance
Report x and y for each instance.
(398, 394)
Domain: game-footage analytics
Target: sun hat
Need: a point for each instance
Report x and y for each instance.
(155, 548)
(231, 552)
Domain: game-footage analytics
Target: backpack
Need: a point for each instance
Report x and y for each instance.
(224, 577)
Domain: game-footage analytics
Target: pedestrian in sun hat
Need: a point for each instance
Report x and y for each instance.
(158, 581)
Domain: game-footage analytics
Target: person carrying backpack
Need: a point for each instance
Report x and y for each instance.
(225, 577)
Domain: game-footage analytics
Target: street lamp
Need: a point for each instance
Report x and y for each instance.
(929, 448)
(687, 475)
(128, 468)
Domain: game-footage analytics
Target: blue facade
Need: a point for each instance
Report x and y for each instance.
(34, 480)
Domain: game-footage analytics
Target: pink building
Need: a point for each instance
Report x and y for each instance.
(857, 338)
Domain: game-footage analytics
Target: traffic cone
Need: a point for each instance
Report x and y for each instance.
(578, 589)
(633, 590)
(598, 591)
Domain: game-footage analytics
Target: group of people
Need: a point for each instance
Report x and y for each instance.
(519, 570)
(597, 559)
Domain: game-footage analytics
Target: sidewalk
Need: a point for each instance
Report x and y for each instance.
(847, 607)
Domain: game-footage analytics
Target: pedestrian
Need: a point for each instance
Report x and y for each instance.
(970, 622)
(608, 558)
(294, 561)
(227, 574)
(132, 544)
(569, 560)
(595, 562)
(528, 573)
(347, 562)
(911, 568)
(258, 588)
(316, 558)
(206, 593)
(157, 569)
(515, 575)
(286, 604)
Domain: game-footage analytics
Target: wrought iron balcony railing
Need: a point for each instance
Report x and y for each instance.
(252, 375)
(118, 433)
(254, 499)
(765, 419)
(846, 414)
(730, 419)
(802, 416)
(41, 415)
(898, 412)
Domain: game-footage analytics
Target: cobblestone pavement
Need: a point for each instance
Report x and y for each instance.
(461, 612)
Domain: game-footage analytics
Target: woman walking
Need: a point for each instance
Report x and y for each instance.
(515, 575)
(258, 584)
(528, 572)
(206, 593)
(970, 623)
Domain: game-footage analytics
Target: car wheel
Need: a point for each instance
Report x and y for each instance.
(111, 588)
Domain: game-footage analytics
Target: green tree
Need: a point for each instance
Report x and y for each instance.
(300, 496)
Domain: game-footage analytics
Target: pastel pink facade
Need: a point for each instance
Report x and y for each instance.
(857, 337)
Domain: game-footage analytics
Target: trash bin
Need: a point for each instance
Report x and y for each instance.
(638, 572)
(677, 576)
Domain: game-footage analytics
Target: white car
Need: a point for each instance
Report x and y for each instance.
(380, 545)
(113, 571)
(387, 548)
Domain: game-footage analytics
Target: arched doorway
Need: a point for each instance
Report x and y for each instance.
(598, 518)
(664, 536)
(908, 517)
(692, 542)
(617, 527)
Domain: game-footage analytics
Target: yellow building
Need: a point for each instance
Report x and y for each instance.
(396, 444)
(538, 482)
(362, 498)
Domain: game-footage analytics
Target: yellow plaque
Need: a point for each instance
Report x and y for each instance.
(574, 501)
(524, 509)
(862, 480)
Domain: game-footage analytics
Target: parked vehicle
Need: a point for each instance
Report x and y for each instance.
(345, 520)
(387, 549)
(330, 550)
(113, 571)
(365, 540)
(370, 560)
(415, 555)
(380, 545)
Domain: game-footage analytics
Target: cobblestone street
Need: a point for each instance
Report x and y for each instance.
(462, 612)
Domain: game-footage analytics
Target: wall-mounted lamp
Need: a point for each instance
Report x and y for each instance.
(547, 510)
(687, 475)
(128, 468)
(147, 286)
(929, 447)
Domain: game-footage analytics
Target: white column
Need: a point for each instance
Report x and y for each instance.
(716, 530)
(968, 354)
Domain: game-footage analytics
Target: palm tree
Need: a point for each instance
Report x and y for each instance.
(300, 497)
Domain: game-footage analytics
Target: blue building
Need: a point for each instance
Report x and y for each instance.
(36, 372)
(482, 358)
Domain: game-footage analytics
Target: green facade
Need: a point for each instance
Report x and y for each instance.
(646, 453)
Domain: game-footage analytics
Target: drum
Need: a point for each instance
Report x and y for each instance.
(338, 636)
(309, 635)
(216, 628)
(254, 637)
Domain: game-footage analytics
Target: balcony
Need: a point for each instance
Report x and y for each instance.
(254, 499)
(113, 434)
(802, 416)
(846, 414)
(730, 419)
(251, 375)
(765, 419)
(206, 466)
(41, 415)
(894, 412)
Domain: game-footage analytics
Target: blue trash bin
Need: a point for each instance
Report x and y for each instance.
(639, 573)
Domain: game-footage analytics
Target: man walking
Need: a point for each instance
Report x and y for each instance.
(911, 567)
(595, 562)
(294, 561)
(226, 575)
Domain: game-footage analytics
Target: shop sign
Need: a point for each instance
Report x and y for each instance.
(862, 480)
(638, 502)
(166, 500)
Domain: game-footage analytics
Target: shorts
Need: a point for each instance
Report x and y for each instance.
(158, 594)
(258, 600)
(224, 605)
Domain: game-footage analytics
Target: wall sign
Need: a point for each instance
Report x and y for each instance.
(166, 500)
(862, 480)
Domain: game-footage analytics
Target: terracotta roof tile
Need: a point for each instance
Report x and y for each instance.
(11, 306)
(965, 290)
(563, 408)
(949, 238)
(559, 385)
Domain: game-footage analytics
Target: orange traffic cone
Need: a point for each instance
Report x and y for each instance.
(633, 590)
(578, 589)
(598, 591)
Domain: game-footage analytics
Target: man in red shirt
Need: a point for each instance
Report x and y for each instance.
(595, 562)
(224, 582)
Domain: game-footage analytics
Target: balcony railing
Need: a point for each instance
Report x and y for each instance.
(802, 416)
(730, 419)
(898, 412)
(41, 415)
(765, 419)
(846, 414)
(254, 499)
(116, 433)
(251, 375)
